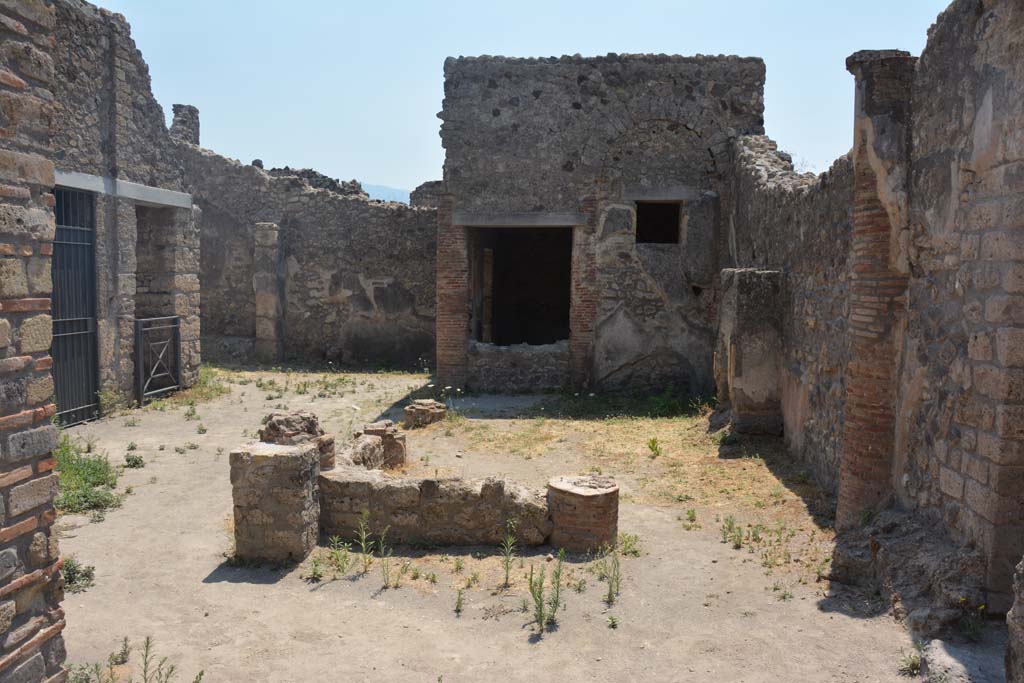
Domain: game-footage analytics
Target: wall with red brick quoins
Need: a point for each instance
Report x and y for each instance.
(583, 138)
(903, 372)
(31, 587)
(959, 410)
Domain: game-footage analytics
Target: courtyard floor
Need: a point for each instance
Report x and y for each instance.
(723, 581)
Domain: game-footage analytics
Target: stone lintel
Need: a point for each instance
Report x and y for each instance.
(524, 219)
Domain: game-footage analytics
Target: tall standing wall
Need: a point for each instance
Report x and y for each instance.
(31, 587)
(354, 277)
(960, 389)
(801, 225)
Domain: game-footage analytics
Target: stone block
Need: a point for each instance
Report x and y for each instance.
(40, 280)
(364, 450)
(5, 333)
(276, 500)
(35, 334)
(299, 427)
(32, 670)
(31, 443)
(393, 441)
(422, 412)
(584, 512)
(31, 495)
(13, 280)
(39, 390)
(1010, 346)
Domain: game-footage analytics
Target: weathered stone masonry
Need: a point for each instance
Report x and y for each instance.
(799, 224)
(573, 144)
(297, 265)
(901, 304)
(110, 139)
(31, 588)
(878, 278)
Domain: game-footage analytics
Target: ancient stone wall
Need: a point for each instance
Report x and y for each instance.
(749, 350)
(801, 225)
(519, 367)
(575, 142)
(359, 279)
(430, 511)
(959, 435)
(427, 195)
(108, 125)
(31, 587)
(355, 277)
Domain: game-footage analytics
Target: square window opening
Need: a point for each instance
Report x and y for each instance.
(657, 223)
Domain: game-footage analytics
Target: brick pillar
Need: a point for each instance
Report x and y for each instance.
(31, 588)
(453, 297)
(266, 284)
(584, 294)
(878, 278)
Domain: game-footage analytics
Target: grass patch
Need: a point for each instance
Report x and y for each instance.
(87, 480)
(78, 577)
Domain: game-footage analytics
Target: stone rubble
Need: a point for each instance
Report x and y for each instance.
(424, 411)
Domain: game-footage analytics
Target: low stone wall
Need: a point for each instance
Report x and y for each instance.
(519, 367)
(282, 498)
(431, 511)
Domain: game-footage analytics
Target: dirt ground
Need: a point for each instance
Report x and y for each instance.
(692, 607)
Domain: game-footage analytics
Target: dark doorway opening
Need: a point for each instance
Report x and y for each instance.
(74, 350)
(522, 281)
(657, 223)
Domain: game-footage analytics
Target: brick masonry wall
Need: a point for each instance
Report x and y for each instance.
(453, 298)
(878, 279)
(961, 384)
(31, 587)
(800, 224)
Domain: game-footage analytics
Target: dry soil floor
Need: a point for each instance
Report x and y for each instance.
(692, 606)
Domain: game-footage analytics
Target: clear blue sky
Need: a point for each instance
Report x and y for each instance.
(353, 89)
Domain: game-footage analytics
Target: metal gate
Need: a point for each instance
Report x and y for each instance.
(75, 365)
(157, 356)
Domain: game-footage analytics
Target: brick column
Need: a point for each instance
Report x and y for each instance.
(266, 284)
(452, 297)
(878, 278)
(31, 588)
(584, 295)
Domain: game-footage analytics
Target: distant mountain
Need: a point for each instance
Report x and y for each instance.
(390, 194)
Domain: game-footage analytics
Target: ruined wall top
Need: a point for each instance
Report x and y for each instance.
(535, 134)
(314, 178)
(427, 195)
(103, 95)
(185, 125)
